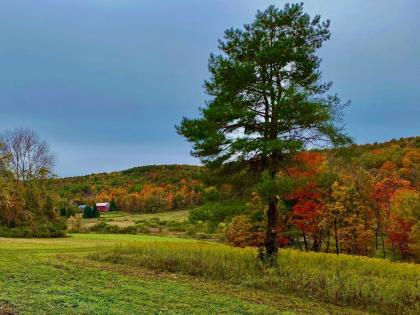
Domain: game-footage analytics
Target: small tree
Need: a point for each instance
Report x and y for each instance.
(91, 212)
(267, 100)
(87, 212)
(95, 212)
(112, 205)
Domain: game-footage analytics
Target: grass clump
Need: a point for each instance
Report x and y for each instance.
(213, 262)
(370, 284)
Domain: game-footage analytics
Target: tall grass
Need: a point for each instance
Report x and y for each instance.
(366, 283)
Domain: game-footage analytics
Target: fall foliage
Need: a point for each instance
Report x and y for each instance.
(362, 200)
(27, 206)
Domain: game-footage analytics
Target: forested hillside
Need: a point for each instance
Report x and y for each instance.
(153, 188)
(362, 200)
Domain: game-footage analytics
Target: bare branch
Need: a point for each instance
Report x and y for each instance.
(28, 156)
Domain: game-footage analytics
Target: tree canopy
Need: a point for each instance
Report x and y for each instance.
(267, 97)
(28, 156)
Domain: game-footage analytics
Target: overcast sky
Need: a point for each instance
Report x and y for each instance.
(105, 81)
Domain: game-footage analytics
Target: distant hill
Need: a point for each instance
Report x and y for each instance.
(182, 185)
(157, 174)
(142, 188)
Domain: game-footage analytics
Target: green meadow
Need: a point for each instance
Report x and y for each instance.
(135, 274)
(125, 219)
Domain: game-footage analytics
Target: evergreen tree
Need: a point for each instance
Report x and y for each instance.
(112, 205)
(87, 212)
(267, 100)
(95, 212)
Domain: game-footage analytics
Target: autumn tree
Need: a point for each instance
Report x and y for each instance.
(267, 100)
(26, 204)
(348, 212)
(382, 193)
(411, 166)
(242, 232)
(307, 199)
(307, 214)
(29, 156)
(404, 221)
(12, 208)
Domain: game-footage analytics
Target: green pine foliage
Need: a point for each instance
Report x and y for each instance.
(91, 212)
(267, 99)
(113, 205)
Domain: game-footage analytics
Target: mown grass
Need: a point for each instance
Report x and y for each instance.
(47, 286)
(53, 276)
(371, 284)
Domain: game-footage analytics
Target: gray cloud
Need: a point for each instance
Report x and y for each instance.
(106, 81)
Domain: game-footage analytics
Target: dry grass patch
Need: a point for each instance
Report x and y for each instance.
(370, 284)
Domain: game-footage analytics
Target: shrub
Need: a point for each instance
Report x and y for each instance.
(67, 211)
(216, 212)
(105, 228)
(211, 194)
(40, 228)
(242, 232)
(175, 226)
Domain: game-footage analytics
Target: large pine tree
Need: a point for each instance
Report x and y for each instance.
(267, 99)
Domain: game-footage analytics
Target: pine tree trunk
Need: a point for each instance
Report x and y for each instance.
(271, 245)
(336, 236)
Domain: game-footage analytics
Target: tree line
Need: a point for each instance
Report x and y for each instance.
(346, 202)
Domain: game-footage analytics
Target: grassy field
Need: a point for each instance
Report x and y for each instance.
(124, 219)
(172, 223)
(55, 276)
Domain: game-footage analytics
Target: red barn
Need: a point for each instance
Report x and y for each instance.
(103, 206)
